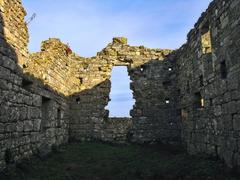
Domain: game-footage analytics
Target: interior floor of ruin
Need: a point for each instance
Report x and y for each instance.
(98, 161)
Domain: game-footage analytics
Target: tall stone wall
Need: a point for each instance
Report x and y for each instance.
(208, 75)
(153, 81)
(32, 116)
(86, 81)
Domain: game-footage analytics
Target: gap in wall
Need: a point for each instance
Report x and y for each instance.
(121, 97)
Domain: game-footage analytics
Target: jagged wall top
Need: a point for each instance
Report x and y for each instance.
(69, 73)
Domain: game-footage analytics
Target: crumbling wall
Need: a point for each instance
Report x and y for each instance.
(154, 114)
(32, 116)
(191, 94)
(53, 66)
(208, 73)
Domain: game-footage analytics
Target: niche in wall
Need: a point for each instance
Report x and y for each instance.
(199, 102)
(143, 68)
(59, 117)
(201, 80)
(26, 84)
(223, 69)
(46, 110)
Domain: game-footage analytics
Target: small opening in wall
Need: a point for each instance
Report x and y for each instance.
(59, 113)
(81, 80)
(8, 156)
(26, 83)
(199, 101)
(59, 117)
(206, 38)
(211, 102)
(201, 80)
(99, 69)
(223, 70)
(142, 68)
(179, 92)
(166, 84)
(167, 101)
(170, 69)
(46, 105)
(85, 66)
(78, 100)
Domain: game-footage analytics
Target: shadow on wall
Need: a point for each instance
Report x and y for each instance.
(21, 114)
(154, 115)
(34, 117)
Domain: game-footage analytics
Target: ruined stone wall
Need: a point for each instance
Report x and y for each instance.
(154, 114)
(116, 130)
(32, 116)
(208, 73)
(192, 93)
(53, 65)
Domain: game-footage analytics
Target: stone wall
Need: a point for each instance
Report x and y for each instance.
(53, 65)
(208, 75)
(115, 130)
(32, 116)
(86, 82)
(191, 94)
(154, 114)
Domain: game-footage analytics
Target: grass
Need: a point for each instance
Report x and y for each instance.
(96, 161)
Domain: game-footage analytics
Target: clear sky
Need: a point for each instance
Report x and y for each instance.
(121, 96)
(89, 25)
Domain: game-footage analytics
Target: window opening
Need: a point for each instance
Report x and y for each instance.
(59, 117)
(206, 39)
(223, 70)
(78, 100)
(167, 101)
(46, 104)
(26, 83)
(121, 95)
(199, 101)
(142, 68)
(201, 80)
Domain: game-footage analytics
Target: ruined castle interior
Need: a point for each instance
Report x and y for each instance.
(189, 96)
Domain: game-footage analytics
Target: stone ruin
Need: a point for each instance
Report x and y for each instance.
(189, 96)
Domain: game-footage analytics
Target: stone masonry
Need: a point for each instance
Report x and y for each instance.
(33, 117)
(189, 96)
(208, 80)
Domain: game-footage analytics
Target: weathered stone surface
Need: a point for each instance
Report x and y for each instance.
(190, 95)
(21, 94)
(216, 125)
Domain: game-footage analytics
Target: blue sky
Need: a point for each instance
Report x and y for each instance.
(121, 95)
(89, 25)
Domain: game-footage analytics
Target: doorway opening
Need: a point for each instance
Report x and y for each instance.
(121, 97)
